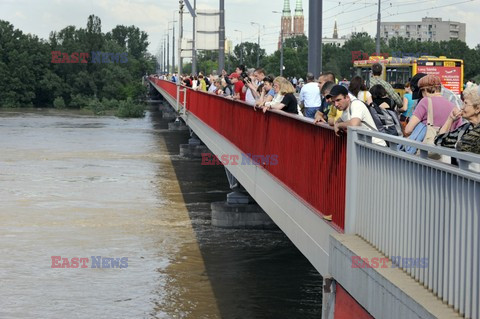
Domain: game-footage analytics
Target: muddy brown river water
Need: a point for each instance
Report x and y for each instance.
(80, 186)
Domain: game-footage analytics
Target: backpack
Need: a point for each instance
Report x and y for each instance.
(386, 120)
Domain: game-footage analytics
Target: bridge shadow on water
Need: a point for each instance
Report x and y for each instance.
(253, 273)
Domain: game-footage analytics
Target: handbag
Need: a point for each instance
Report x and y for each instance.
(432, 132)
(418, 135)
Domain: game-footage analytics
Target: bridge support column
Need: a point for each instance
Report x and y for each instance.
(240, 210)
(177, 125)
(153, 94)
(168, 113)
(194, 148)
(328, 298)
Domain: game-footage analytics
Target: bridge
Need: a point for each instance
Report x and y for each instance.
(403, 241)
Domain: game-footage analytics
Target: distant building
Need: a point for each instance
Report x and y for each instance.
(298, 21)
(335, 39)
(228, 46)
(429, 29)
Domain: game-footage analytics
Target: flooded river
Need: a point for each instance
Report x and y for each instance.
(79, 186)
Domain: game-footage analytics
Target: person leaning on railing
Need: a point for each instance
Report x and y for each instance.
(465, 138)
(267, 93)
(289, 102)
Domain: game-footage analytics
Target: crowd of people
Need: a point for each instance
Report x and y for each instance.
(455, 121)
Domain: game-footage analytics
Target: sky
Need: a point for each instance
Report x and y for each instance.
(40, 17)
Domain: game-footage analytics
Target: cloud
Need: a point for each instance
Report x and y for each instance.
(20, 15)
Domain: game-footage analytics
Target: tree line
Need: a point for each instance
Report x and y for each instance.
(30, 79)
(339, 59)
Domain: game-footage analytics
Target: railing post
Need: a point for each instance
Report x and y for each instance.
(351, 182)
(184, 101)
(178, 98)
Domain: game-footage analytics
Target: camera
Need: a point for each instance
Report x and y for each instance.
(245, 78)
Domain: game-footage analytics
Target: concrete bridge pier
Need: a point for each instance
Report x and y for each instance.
(239, 210)
(153, 93)
(168, 113)
(194, 148)
(177, 125)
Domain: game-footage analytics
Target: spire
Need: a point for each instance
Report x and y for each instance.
(299, 8)
(286, 8)
(335, 33)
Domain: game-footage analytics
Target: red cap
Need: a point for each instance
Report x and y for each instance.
(234, 75)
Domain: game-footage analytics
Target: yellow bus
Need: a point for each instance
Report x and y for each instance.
(398, 71)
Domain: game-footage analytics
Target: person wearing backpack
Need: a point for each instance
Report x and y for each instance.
(355, 112)
(358, 88)
(380, 97)
(432, 106)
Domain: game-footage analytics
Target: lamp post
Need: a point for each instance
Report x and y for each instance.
(258, 49)
(164, 54)
(194, 43)
(221, 38)
(160, 58)
(241, 45)
(281, 45)
(378, 29)
(173, 45)
(168, 44)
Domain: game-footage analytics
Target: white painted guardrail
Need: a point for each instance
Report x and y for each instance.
(415, 210)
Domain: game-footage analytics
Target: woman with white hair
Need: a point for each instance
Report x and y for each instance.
(465, 138)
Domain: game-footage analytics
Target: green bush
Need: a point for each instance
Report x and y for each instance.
(97, 107)
(59, 103)
(79, 101)
(130, 109)
(110, 104)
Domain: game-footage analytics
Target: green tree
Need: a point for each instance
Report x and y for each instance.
(250, 51)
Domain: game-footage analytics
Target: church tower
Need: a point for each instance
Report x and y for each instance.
(299, 19)
(335, 32)
(286, 19)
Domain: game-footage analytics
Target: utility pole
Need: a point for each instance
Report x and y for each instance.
(378, 28)
(168, 50)
(315, 37)
(173, 44)
(164, 55)
(180, 37)
(241, 45)
(163, 58)
(258, 42)
(281, 44)
(281, 51)
(160, 59)
(194, 46)
(221, 39)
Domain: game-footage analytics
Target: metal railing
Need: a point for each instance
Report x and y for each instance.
(311, 159)
(421, 213)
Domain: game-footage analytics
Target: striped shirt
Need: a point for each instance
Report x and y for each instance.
(465, 138)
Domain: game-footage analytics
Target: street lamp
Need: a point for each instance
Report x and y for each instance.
(168, 44)
(258, 49)
(173, 44)
(241, 45)
(281, 45)
(164, 53)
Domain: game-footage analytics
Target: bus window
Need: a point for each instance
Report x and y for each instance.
(398, 75)
(365, 74)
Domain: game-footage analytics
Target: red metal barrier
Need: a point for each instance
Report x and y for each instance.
(311, 159)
